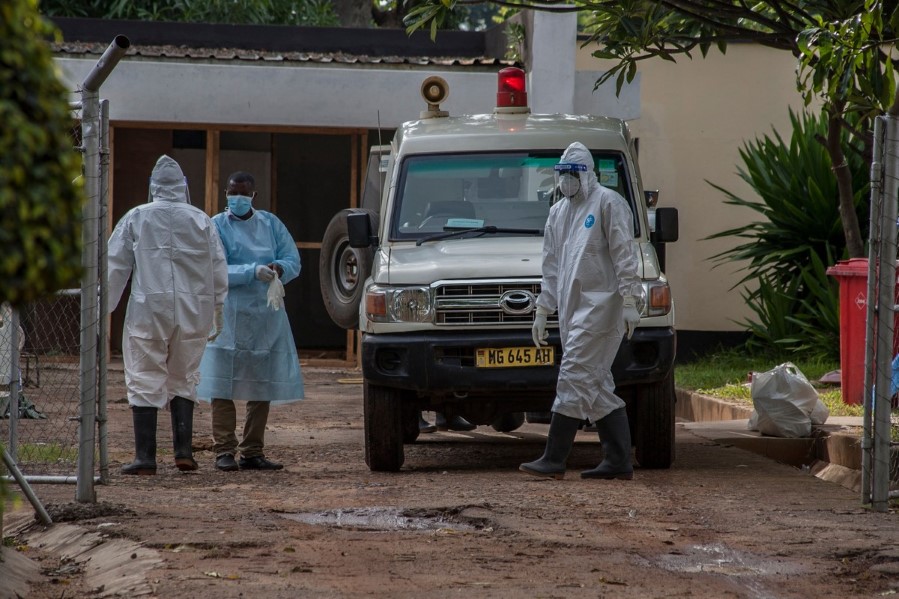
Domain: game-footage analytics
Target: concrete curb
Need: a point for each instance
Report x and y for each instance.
(832, 453)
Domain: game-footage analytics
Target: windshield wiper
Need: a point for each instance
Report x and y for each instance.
(482, 230)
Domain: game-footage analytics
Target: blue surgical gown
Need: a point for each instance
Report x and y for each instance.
(254, 358)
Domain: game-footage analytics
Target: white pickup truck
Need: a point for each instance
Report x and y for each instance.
(441, 270)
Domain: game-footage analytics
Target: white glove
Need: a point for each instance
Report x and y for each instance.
(264, 273)
(538, 331)
(631, 315)
(218, 323)
(275, 294)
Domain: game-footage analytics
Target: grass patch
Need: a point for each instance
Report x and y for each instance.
(725, 375)
(46, 453)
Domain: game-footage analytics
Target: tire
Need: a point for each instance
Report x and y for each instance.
(508, 422)
(410, 422)
(342, 270)
(654, 409)
(383, 411)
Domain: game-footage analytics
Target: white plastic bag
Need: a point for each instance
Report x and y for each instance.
(275, 294)
(786, 404)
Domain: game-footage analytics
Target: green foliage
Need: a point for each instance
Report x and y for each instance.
(786, 252)
(311, 13)
(41, 228)
(725, 373)
(841, 58)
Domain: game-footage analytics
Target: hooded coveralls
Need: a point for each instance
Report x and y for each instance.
(254, 358)
(178, 272)
(590, 264)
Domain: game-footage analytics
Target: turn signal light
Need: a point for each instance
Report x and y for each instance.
(659, 300)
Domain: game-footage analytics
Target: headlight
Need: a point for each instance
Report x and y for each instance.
(658, 298)
(399, 304)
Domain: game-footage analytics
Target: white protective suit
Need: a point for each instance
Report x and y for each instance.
(173, 254)
(590, 263)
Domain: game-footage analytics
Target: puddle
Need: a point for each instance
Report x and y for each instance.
(719, 559)
(390, 519)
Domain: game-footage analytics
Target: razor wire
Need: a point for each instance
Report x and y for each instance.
(880, 435)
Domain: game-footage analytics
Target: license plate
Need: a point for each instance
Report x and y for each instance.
(511, 357)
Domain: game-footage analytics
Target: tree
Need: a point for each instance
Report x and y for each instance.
(40, 232)
(842, 47)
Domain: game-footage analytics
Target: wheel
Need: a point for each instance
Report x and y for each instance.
(342, 270)
(654, 428)
(508, 422)
(383, 410)
(410, 422)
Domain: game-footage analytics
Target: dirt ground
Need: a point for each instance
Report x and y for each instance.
(460, 520)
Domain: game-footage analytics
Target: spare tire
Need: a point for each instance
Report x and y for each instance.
(342, 269)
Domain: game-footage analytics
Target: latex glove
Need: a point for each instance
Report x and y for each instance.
(264, 273)
(631, 315)
(275, 294)
(218, 322)
(538, 331)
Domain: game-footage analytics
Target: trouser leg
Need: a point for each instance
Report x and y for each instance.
(224, 423)
(253, 442)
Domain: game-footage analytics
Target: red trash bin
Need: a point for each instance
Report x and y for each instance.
(853, 277)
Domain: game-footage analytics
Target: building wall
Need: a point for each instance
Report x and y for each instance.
(691, 119)
(694, 117)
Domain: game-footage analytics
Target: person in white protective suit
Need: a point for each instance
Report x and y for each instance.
(255, 358)
(590, 274)
(179, 281)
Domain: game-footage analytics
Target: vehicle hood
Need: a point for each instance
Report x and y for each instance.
(500, 257)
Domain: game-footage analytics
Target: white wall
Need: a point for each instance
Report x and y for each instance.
(694, 117)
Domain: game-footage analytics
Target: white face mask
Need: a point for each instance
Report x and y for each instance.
(569, 185)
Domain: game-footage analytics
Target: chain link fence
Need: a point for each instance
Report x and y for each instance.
(880, 440)
(53, 353)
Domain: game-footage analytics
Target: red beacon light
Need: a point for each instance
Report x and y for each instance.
(511, 92)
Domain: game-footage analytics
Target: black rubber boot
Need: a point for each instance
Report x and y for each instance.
(144, 442)
(562, 430)
(182, 433)
(456, 423)
(615, 436)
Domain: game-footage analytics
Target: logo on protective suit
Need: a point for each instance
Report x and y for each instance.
(589, 222)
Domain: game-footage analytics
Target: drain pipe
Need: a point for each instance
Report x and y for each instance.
(91, 139)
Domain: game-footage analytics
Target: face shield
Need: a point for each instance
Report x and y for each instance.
(568, 178)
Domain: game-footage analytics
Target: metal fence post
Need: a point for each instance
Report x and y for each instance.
(880, 488)
(90, 116)
(871, 321)
(103, 333)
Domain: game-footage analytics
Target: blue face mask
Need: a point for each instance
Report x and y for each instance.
(239, 205)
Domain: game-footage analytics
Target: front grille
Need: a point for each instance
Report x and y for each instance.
(478, 303)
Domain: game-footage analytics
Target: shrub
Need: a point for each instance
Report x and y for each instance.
(40, 232)
(785, 254)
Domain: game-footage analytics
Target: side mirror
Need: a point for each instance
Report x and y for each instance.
(666, 226)
(358, 229)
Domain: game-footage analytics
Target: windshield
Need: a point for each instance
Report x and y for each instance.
(509, 190)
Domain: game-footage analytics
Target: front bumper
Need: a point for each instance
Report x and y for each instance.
(443, 363)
